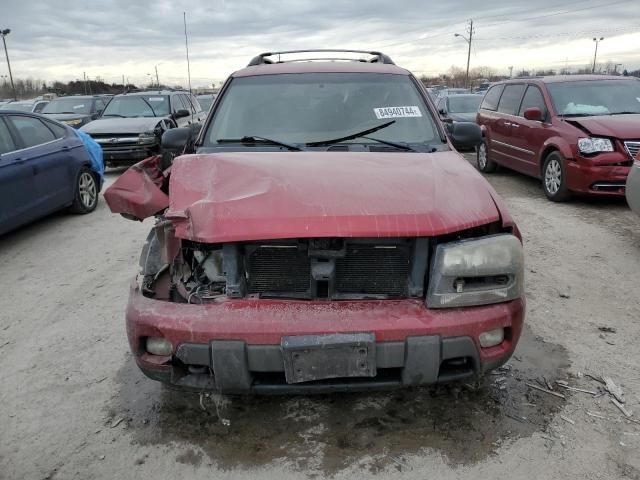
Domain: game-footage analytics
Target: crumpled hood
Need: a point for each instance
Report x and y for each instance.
(616, 126)
(267, 195)
(121, 125)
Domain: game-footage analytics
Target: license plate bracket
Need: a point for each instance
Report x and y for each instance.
(321, 357)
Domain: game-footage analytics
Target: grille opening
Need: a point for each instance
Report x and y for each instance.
(272, 270)
(322, 289)
(478, 283)
(457, 367)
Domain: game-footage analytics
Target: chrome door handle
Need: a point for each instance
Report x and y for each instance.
(515, 125)
(508, 124)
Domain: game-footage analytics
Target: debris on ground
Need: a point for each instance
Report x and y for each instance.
(564, 295)
(117, 422)
(626, 412)
(567, 419)
(531, 385)
(606, 329)
(614, 389)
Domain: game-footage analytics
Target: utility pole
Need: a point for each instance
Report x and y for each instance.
(84, 77)
(511, 71)
(468, 40)
(4, 33)
(595, 55)
(124, 86)
(157, 79)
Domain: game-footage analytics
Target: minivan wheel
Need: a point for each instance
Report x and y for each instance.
(485, 164)
(86, 192)
(554, 178)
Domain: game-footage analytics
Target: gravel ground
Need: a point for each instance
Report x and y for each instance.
(74, 406)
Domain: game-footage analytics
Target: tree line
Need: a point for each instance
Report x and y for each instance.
(31, 88)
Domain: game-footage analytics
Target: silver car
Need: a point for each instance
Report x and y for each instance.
(633, 187)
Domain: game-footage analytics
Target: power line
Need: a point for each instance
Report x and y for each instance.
(563, 34)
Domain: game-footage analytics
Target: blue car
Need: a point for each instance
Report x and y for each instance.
(44, 166)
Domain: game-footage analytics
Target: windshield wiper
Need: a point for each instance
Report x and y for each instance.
(352, 136)
(255, 139)
(624, 113)
(401, 146)
(154, 112)
(113, 115)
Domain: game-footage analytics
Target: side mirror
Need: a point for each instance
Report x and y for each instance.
(533, 113)
(465, 134)
(176, 139)
(442, 111)
(181, 114)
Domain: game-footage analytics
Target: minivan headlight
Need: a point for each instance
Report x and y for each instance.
(477, 272)
(594, 145)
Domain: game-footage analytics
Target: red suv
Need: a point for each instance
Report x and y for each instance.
(579, 133)
(324, 235)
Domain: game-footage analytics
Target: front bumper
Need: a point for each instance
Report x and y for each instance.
(235, 346)
(601, 178)
(127, 154)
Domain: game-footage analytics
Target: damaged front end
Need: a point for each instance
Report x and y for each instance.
(373, 300)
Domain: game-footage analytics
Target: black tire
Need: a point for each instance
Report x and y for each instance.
(554, 178)
(86, 192)
(485, 164)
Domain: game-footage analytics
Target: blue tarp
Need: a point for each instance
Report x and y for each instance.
(95, 152)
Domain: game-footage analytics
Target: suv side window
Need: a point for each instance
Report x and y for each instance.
(58, 131)
(510, 100)
(32, 131)
(533, 98)
(491, 98)
(6, 142)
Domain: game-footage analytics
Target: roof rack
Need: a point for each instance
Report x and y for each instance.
(376, 57)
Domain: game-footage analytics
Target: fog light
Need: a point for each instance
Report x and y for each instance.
(492, 338)
(159, 346)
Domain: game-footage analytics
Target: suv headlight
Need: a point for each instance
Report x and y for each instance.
(477, 272)
(594, 145)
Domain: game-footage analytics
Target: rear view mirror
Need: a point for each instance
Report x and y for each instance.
(465, 134)
(534, 114)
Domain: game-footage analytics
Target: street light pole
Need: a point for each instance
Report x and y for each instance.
(595, 55)
(4, 33)
(468, 40)
(157, 79)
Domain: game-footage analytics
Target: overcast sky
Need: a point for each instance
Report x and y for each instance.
(61, 39)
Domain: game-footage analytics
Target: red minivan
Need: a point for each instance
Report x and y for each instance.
(577, 133)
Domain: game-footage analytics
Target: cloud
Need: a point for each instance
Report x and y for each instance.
(111, 38)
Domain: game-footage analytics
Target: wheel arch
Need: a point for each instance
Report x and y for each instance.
(550, 146)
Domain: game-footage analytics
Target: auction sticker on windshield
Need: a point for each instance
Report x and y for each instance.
(156, 99)
(397, 112)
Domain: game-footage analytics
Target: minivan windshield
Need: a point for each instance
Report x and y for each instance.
(595, 97)
(314, 107)
(137, 106)
(69, 105)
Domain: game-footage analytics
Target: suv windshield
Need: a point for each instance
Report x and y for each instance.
(464, 103)
(137, 106)
(69, 105)
(315, 107)
(595, 97)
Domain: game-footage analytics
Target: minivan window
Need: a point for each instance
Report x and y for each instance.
(510, 100)
(492, 97)
(533, 99)
(305, 108)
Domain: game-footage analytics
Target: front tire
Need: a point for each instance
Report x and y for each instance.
(86, 192)
(554, 178)
(485, 164)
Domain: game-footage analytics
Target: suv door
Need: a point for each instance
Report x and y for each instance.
(17, 189)
(46, 153)
(502, 148)
(529, 135)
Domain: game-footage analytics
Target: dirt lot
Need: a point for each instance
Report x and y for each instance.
(75, 406)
